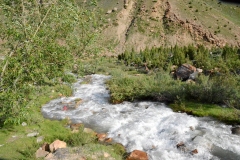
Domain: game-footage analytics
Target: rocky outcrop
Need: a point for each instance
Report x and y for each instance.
(137, 155)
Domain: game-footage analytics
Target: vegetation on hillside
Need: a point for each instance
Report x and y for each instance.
(218, 84)
(41, 41)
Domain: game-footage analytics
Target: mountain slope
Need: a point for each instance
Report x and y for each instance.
(170, 22)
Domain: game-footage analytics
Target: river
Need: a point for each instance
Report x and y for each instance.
(149, 126)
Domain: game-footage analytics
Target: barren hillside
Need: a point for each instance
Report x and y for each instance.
(142, 24)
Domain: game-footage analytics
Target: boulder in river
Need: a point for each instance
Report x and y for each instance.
(235, 130)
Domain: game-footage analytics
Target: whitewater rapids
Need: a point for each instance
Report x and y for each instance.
(148, 126)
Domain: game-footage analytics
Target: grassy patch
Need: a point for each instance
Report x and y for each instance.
(14, 140)
(227, 115)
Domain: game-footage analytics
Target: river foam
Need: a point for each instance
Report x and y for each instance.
(147, 126)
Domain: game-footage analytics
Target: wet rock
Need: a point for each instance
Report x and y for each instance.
(195, 151)
(192, 128)
(184, 71)
(57, 144)
(181, 146)
(41, 153)
(137, 155)
(235, 130)
(33, 134)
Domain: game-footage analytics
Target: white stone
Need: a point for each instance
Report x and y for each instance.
(24, 124)
(34, 134)
(40, 139)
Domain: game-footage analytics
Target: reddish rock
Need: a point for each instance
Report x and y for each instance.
(65, 108)
(101, 137)
(181, 146)
(137, 155)
(195, 151)
(57, 144)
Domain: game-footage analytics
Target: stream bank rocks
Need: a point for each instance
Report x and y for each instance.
(58, 149)
(137, 155)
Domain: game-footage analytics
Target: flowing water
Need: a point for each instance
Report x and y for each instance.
(147, 126)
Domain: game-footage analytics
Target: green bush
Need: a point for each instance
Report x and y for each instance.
(42, 41)
(221, 87)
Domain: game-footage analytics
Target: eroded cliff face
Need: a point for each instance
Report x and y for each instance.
(139, 24)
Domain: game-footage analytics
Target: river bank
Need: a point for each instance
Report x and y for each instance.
(148, 126)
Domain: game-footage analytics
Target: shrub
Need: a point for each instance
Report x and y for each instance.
(42, 41)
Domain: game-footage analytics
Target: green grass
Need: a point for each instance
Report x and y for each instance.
(14, 139)
(227, 115)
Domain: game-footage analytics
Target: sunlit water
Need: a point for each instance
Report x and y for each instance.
(147, 126)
